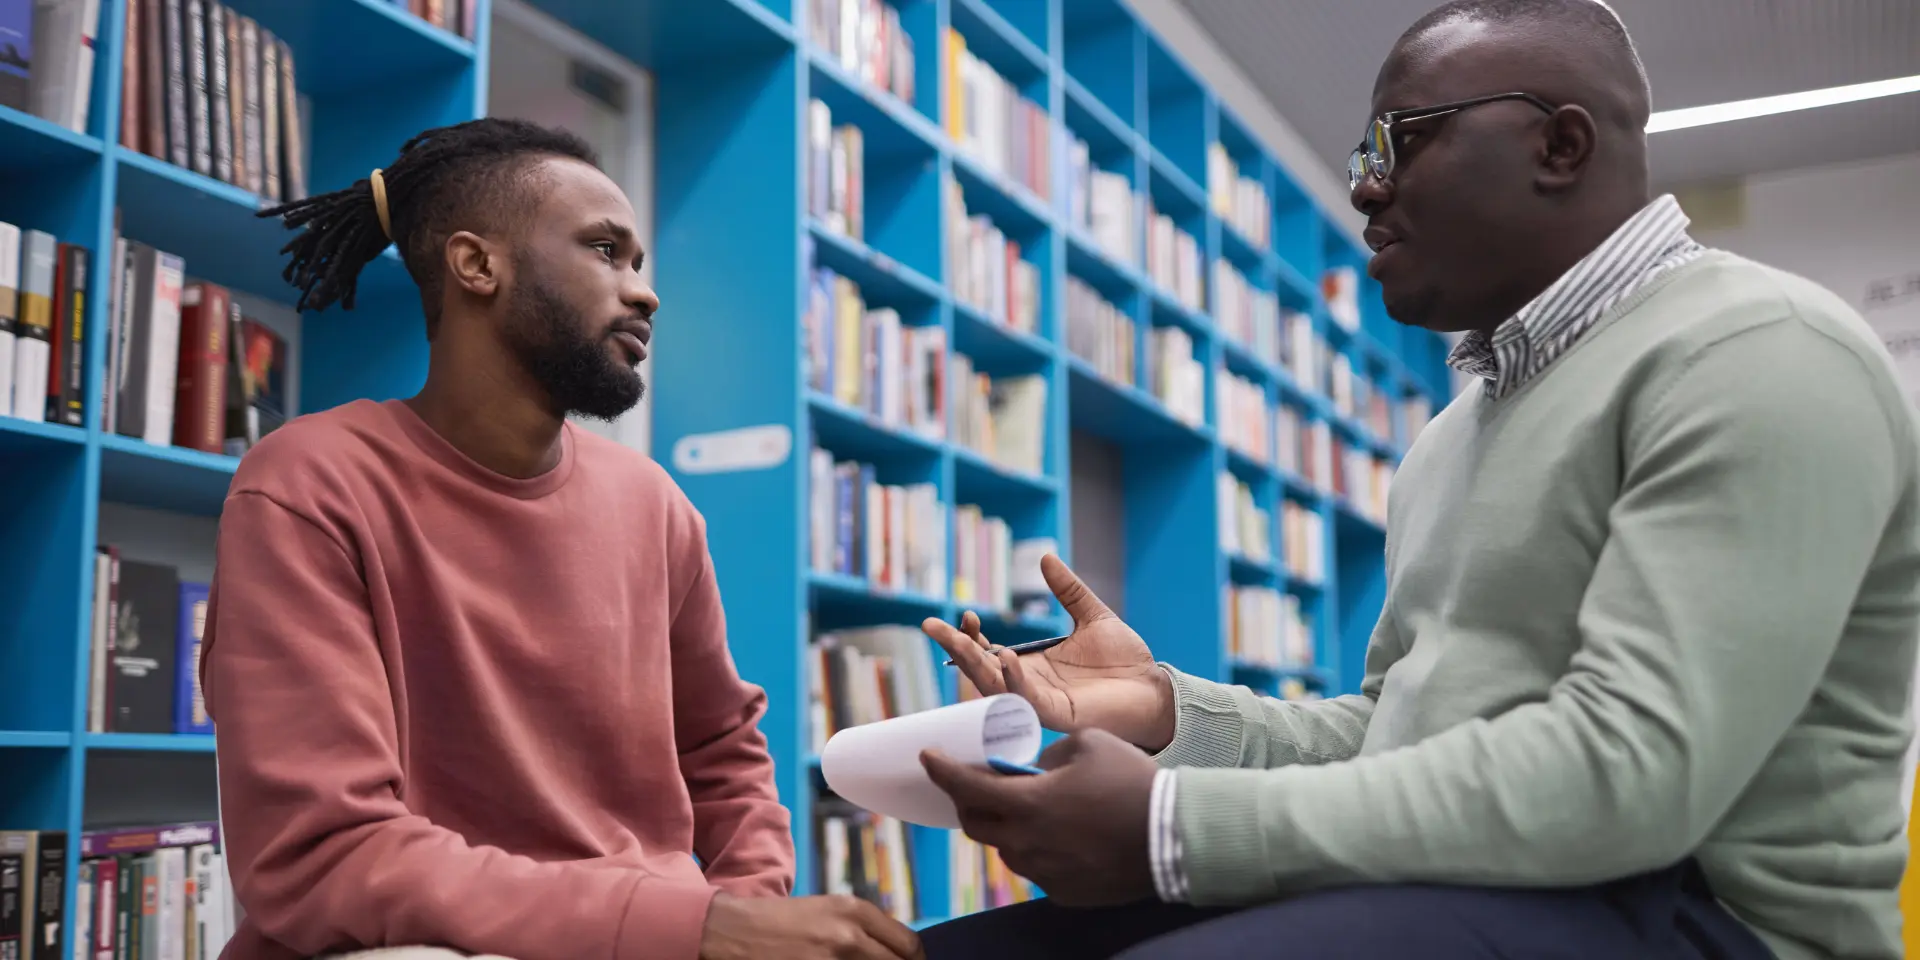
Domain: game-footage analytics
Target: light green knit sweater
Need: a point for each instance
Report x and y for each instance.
(1661, 601)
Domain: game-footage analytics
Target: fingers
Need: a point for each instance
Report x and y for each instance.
(895, 940)
(968, 654)
(1014, 674)
(1079, 601)
(971, 787)
(970, 624)
(1058, 753)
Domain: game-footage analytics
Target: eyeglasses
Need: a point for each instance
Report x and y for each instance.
(1374, 155)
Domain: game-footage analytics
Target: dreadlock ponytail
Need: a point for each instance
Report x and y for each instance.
(429, 186)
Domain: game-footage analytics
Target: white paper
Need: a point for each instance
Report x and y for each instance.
(876, 766)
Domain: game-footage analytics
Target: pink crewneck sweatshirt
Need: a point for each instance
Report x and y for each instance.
(458, 709)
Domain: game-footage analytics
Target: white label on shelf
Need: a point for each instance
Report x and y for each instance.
(746, 448)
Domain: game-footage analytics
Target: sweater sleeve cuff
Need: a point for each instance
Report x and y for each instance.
(1163, 841)
(1222, 848)
(1209, 724)
(666, 920)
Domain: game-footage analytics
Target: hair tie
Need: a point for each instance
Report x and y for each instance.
(380, 201)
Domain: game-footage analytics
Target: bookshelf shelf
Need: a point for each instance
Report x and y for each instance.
(176, 479)
(149, 742)
(739, 244)
(16, 434)
(28, 143)
(367, 45)
(34, 739)
(1002, 45)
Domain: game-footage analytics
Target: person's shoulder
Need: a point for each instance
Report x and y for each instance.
(1729, 296)
(640, 479)
(316, 455)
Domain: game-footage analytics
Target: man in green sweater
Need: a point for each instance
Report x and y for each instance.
(1640, 685)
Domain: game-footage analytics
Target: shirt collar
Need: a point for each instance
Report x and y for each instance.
(1552, 319)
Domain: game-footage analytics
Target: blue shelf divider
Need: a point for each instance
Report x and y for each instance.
(735, 251)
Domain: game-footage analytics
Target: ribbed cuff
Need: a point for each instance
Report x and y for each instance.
(666, 920)
(1209, 726)
(1223, 851)
(1163, 840)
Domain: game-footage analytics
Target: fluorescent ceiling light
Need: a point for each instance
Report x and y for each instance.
(1764, 106)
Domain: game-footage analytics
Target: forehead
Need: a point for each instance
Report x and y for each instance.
(1450, 61)
(573, 193)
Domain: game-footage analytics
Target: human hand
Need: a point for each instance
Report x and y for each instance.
(804, 928)
(1101, 677)
(1079, 830)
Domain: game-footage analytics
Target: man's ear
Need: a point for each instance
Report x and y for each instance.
(1568, 140)
(475, 264)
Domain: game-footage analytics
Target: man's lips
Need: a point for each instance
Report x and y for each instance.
(631, 343)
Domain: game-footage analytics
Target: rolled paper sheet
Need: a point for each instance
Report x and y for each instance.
(876, 766)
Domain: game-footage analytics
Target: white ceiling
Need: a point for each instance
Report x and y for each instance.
(1315, 61)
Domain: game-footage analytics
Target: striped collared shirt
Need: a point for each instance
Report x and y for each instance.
(1649, 243)
(1652, 241)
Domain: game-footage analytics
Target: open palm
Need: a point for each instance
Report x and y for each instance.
(1102, 676)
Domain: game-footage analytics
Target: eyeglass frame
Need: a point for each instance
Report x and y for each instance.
(1363, 161)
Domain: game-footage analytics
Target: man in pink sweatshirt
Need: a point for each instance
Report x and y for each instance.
(468, 664)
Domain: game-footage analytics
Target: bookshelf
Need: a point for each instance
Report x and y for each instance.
(740, 242)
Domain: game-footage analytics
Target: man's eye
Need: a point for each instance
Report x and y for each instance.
(606, 248)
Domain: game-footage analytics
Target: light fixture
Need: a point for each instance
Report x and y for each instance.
(1764, 106)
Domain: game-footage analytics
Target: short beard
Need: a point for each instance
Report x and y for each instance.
(545, 333)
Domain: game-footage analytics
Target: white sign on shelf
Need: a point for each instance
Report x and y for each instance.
(733, 451)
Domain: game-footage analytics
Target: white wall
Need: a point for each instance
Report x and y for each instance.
(1854, 228)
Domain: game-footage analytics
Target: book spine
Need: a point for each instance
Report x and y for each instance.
(201, 133)
(220, 110)
(179, 150)
(130, 87)
(73, 390)
(49, 924)
(138, 840)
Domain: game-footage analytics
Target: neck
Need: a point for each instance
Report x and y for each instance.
(482, 402)
(1561, 247)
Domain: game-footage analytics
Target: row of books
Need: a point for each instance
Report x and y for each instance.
(865, 675)
(992, 571)
(183, 365)
(157, 892)
(46, 68)
(992, 122)
(856, 677)
(43, 286)
(1003, 419)
(1246, 314)
(1340, 287)
(1173, 261)
(455, 16)
(985, 270)
(1266, 627)
(871, 361)
(865, 38)
(1361, 479)
(1100, 333)
(1100, 204)
(891, 535)
(836, 192)
(862, 854)
(1303, 542)
(1175, 376)
(1246, 528)
(208, 89)
(1244, 416)
(144, 649)
(1240, 201)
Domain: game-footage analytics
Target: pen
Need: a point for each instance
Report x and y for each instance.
(1031, 646)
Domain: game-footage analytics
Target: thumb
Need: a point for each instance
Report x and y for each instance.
(1079, 601)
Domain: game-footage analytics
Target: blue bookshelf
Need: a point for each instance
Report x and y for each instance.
(735, 249)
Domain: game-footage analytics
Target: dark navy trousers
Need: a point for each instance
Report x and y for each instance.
(1667, 915)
